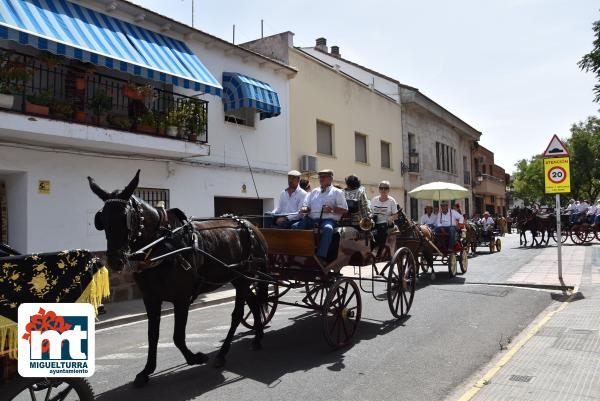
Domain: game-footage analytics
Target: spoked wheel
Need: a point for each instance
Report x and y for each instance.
(464, 261)
(564, 235)
(341, 312)
(32, 389)
(590, 233)
(315, 293)
(401, 282)
(597, 233)
(498, 245)
(452, 265)
(579, 234)
(266, 310)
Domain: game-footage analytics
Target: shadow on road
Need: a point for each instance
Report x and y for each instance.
(296, 347)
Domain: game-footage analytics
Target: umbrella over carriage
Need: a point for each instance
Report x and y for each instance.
(439, 191)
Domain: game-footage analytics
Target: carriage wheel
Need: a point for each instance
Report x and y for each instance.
(48, 389)
(464, 261)
(578, 234)
(491, 246)
(266, 310)
(564, 235)
(315, 293)
(401, 282)
(597, 232)
(452, 265)
(590, 233)
(498, 245)
(341, 312)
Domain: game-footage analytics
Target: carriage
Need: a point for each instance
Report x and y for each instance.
(76, 277)
(329, 288)
(580, 232)
(486, 238)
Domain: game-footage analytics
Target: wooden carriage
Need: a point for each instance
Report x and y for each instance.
(329, 291)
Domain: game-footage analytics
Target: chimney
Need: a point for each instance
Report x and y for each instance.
(335, 51)
(321, 44)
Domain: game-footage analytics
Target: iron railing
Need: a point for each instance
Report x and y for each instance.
(413, 162)
(64, 89)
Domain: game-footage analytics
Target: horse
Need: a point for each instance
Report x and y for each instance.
(529, 220)
(502, 224)
(224, 251)
(408, 229)
(473, 232)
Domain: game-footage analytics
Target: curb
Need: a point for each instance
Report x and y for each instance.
(136, 317)
(532, 285)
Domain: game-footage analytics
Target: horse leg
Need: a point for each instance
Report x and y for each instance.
(181, 316)
(236, 318)
(153, 313)
(255, 308)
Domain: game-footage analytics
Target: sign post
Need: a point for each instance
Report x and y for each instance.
(557, 180)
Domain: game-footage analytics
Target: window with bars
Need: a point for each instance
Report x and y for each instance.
(445, 157)
(153, 195)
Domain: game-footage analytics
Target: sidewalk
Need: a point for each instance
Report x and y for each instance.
(558, 357)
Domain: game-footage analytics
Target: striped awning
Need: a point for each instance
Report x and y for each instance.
(242, 91)
(68, 29)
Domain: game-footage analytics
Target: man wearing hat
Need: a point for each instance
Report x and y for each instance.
(290, 201)
(326, 205)
(487, 221)
(446, 222)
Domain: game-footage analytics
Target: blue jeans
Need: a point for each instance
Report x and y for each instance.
(271, 222)
(575, 218)
(597, 219)
(451, 231)
(327, 226)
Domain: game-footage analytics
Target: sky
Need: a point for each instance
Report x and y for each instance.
(506, 67)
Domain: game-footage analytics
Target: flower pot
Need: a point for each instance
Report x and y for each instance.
(79, 116)
(193, 137)
(99, 120)
(7, 101)
(148, 129)
(132, 93)
(36, 109)
(172, 131)
(161, 131)
(79, 84)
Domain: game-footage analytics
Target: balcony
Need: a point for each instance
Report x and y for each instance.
(413, 162)
(488, 184)
(133, 116)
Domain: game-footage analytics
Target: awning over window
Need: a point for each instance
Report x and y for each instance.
(242, 91)
(71, 30)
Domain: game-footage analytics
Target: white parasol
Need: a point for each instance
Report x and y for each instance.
(439, 191)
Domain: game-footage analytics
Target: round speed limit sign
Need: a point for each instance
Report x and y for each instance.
(557, 174)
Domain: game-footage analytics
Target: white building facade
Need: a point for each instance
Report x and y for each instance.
(45, 200)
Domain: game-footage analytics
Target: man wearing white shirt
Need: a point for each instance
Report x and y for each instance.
(290, 201)
(487, 221)
(582, 208)
(326, 204)
(597, 218)
(428, 217)
(591, 213)
(446, 222)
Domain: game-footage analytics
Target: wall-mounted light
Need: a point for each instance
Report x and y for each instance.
(244, 188)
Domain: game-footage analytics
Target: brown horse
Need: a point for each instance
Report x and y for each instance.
(422, 234)
(502, 225)
(219, 251)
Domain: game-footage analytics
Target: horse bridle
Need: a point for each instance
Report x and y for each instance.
(134, 219)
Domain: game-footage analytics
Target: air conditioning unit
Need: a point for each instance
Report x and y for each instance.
(308, 163)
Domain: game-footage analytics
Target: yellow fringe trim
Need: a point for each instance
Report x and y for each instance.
(97, 290)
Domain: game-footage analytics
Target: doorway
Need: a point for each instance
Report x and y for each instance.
(239, 207)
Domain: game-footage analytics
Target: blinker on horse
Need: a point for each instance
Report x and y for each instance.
(237, 252)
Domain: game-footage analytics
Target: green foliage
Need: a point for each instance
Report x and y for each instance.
(41, 99)
(148, 118)
(584, 146)
(591, 61)
(100, 103)
(122, 122)
(62, 108)
(12, 77)
(528, 181)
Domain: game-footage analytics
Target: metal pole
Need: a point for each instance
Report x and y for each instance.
(261, 29)
(234, 34)
(193, 1)
(558, 236)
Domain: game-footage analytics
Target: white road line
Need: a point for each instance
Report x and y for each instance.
(128, 355)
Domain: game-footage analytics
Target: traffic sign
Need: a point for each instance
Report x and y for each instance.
(556, 148)
(556, 175)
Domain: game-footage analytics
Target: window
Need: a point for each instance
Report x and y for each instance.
(324, 138)
(153, 195)
(360, 147)
(412, 146)
(242, 116)
(385, 155)
(437, 155)
(483, 168)
(414, 209)
(445, 157)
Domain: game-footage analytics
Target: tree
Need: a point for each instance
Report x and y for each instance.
(584, 146)
(528, 181)
(591, 61)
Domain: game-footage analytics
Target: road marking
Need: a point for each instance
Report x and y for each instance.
(130, 355)
(511, 352)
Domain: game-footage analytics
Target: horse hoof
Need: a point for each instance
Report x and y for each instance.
(219, 362)
(198, 359)
(141, 380)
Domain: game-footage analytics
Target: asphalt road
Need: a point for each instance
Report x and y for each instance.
(455, 328)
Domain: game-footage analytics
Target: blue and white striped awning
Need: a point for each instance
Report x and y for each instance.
(242, 91)
(71, 30)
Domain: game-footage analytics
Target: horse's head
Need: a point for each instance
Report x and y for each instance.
(121, 219)
(402, 220)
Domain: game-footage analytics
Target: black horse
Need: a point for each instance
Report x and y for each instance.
(223, 250)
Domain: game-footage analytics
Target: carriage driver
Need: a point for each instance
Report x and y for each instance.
(446, 222)
(486, 221)
(428, 217)
(326, 205)
(290, 202)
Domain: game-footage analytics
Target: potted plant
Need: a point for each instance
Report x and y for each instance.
(193, 116)
(138, 92)
(120, 121)
(80, 83)
(12, 78)
(38, 104)
(61, 108)
(146, 123)
(100, 104)
(172, 122)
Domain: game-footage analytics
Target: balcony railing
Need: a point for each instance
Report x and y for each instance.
(467, 180)
(68, 90)
(413, 162)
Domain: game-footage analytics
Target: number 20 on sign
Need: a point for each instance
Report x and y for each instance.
(557, 177)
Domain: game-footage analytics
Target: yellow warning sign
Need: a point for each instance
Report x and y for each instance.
(557, 177)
